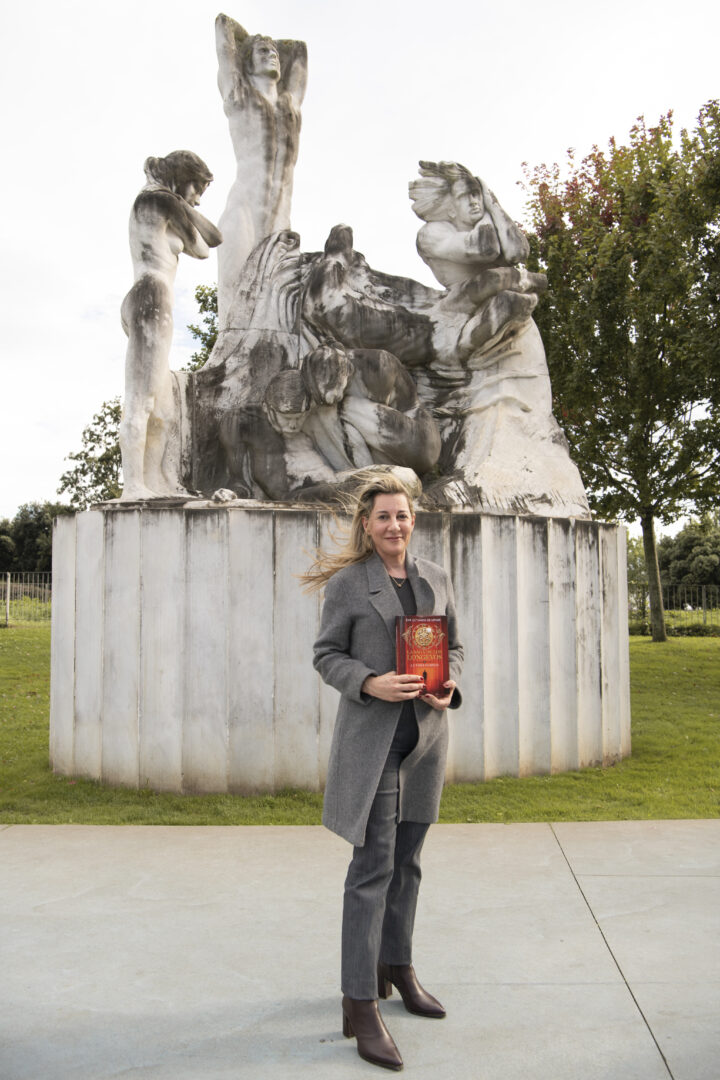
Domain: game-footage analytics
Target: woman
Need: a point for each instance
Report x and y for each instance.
(387, 759)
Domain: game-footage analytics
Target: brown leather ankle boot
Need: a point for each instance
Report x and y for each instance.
(415, 999)
(374, 1042)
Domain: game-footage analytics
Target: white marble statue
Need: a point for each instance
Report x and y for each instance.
(503, 448)
(477, 424)
(262, 83)
(472, 248)
(163, 223)
(472, 349)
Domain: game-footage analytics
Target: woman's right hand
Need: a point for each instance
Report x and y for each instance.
(393, 687)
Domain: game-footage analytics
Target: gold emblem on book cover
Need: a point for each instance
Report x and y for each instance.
(423, 636)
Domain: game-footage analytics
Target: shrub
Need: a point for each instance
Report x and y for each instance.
(693, 630)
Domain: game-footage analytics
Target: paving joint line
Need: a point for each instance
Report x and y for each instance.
(612, 954)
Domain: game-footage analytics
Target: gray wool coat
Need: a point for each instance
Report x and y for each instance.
(357, 639)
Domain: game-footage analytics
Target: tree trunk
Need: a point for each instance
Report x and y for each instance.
(657, 615)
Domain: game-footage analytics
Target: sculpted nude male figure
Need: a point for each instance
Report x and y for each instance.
(262, 83)
(472, 247)
(163, 223)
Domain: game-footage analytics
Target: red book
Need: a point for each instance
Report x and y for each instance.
(421, 644)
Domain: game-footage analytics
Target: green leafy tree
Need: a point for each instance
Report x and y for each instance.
(96, 474)
(637, 579)
(636, 568)
(692, 556)
(206, 331)
(26, 541)
(7, 546)
(629, 239)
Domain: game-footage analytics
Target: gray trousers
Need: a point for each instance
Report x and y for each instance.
(381, 887)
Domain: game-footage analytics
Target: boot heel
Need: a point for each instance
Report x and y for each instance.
(361, 1018)
(385, 987)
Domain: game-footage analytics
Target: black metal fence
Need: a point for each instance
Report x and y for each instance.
(25, 597)
(685, 605)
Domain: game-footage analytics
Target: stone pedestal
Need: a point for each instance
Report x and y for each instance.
(182, 646)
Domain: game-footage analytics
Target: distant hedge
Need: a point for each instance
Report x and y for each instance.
(642, 629)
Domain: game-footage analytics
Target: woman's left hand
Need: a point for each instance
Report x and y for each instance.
(440, 703)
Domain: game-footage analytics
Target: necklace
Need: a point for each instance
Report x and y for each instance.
(397, 582)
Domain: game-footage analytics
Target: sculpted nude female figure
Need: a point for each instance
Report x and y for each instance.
(262, 83)
(163, 223)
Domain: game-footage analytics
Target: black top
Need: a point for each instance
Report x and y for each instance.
(406, 732)
(406, 596)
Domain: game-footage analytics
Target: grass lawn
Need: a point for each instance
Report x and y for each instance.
(674, 771)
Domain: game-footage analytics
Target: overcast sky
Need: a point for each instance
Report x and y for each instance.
(90, 89)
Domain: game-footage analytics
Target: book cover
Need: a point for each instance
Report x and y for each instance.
(422, 649)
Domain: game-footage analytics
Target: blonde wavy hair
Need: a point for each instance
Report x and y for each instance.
(357, 546)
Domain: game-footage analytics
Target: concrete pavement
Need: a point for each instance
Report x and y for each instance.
(577, 951)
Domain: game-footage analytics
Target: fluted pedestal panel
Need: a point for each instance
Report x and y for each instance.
(182, 646)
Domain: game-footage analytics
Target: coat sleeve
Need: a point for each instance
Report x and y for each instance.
(332, 657)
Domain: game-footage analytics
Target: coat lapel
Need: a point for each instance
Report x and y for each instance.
(424, 595)
(383, 595)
